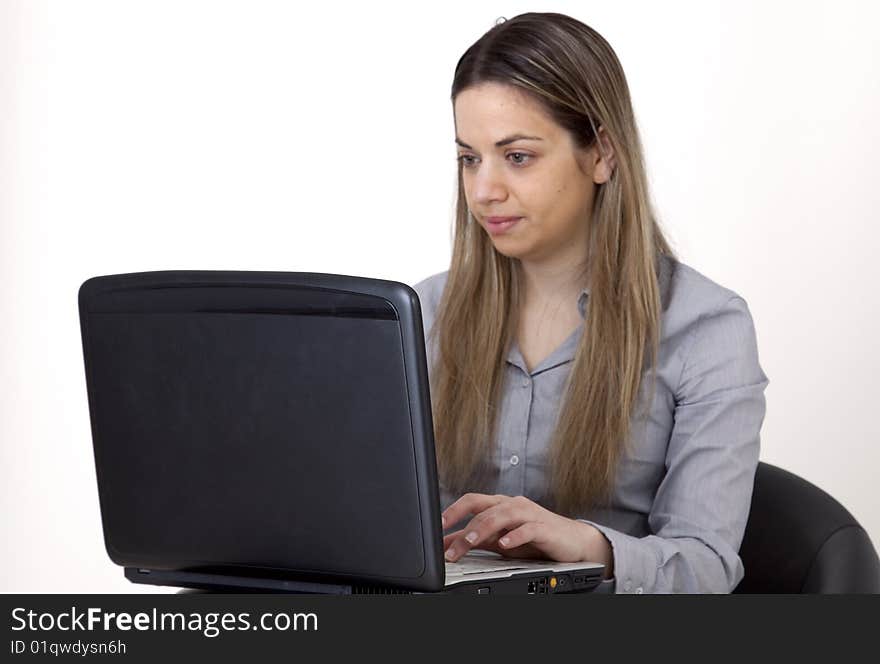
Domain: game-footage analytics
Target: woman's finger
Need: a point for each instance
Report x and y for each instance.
(483, 531)
(500, 513)
(531, 532)
(448, 539)
(455, 545)
(507, 514)
(469, 503)
(495, 517)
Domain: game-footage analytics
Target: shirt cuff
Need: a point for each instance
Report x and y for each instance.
(605, 587)
(635, 565)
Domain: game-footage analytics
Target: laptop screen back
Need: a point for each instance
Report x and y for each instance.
(253, 425)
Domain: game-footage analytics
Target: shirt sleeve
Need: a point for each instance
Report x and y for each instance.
(699, 513)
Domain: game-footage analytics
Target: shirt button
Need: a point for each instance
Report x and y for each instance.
(514, 460)
(628, 585)
(526, 382)
(639, 590)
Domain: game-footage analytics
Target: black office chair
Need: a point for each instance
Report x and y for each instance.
(801, 540)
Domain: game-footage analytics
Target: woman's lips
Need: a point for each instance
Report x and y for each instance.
(498, 225)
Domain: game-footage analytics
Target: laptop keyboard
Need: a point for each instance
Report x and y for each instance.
(476, 563)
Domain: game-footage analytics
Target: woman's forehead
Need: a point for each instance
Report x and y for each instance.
(491, 112)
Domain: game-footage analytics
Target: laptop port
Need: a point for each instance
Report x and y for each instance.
(533, 587)
(542, 585)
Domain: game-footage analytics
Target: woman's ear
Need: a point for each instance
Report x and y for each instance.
(605, 159)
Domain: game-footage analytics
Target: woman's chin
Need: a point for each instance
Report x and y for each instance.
(506, 251)
(508, 247)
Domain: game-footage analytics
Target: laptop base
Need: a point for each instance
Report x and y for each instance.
(231, 583)
(524, 584)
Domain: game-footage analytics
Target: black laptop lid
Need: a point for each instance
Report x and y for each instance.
(268, 422)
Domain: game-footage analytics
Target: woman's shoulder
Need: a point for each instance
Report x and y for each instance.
(430, 290)
(693, 301)
(687, 291)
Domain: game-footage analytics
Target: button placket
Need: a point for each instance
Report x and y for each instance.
(515, 459)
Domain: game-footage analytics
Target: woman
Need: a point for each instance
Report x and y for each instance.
(593, 397)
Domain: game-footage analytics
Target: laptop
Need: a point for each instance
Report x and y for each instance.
(271, 431)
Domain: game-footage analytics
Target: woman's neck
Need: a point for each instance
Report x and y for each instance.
(551, 282)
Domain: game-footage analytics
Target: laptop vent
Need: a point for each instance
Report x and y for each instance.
(377, 590)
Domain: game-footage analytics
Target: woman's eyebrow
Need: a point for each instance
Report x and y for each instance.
(503, 141)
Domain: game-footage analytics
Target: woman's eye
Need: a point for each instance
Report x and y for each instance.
(519, 159)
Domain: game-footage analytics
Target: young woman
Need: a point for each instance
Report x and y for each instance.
(593, 397)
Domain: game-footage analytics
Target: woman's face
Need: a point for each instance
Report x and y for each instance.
(517, 162)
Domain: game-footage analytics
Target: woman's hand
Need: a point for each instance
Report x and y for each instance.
(520, 528)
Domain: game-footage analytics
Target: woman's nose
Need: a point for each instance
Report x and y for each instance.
(488, 185)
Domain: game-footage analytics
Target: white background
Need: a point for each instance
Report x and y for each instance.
(284, 136)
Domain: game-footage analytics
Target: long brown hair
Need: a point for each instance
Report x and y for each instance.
(575, 75)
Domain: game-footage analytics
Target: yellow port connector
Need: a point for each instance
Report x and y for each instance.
(552, 581)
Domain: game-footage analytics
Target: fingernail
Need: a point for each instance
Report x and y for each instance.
(471, 537)
(504, 541)
(443, 519)
(450, 553)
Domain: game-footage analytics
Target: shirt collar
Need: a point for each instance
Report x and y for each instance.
(564, 353)
(583, 299)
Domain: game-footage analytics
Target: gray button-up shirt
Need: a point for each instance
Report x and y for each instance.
(682, 494)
